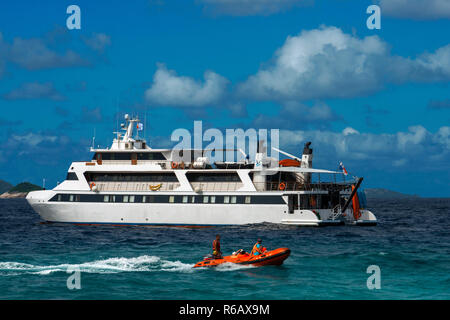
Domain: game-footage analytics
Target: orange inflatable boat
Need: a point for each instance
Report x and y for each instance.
(274, 257)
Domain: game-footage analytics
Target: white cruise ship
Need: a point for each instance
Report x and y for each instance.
(133, 184)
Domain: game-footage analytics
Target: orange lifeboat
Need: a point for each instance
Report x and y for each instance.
(289, 163)
(274, 257)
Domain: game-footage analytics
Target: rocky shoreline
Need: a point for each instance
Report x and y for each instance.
(14, 195)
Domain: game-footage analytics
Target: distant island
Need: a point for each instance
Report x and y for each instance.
(8, 191)
(379, 193)
(5, 186)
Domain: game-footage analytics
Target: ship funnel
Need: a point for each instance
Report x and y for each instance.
(307, 157)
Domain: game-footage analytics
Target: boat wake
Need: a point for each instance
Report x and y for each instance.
(112, 265)
(228, 266)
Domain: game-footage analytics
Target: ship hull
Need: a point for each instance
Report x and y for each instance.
(176, 214)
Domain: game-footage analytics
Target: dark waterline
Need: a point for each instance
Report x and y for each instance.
(410, 245)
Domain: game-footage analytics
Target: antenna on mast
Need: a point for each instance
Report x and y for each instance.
(145, 124)
(93, 140)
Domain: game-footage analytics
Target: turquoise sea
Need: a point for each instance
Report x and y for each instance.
(410, 245)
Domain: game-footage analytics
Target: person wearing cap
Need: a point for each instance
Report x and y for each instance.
(257, 248)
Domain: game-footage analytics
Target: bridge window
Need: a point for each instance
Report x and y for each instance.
(71, 176)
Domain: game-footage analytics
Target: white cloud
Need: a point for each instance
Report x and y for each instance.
(250, 7)
(417, 146)
(327, 63)
(33, 54)
(98, 41)
(34, 90)
(32, 139)
(416, 9)
(349, 130)
(169, 89)
(37, 54)
(294, 114)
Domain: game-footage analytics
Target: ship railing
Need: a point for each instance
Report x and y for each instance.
(299, 186)
(136, 186)
(217, 186)
(336, 212)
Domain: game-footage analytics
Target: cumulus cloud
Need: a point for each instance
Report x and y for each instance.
(34, 90)
(328, 63)
(98, 41)
(294, 114)
(46, 52)
(416, 147)
(169, 89)
(32, 139)
(237, 110)
(416, 9)
(250, 7)
(34, 54)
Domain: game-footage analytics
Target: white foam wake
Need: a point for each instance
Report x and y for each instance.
(112, 265)
(228, 266)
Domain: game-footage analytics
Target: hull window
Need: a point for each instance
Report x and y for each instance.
(105, 198)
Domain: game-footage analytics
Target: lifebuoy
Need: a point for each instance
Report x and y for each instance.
(156, 188)
(174, 165)
(91, 185)
(282, 186)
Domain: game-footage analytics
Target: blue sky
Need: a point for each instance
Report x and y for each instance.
(378, 100)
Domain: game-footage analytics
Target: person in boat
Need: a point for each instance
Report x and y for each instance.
(258, 248)
(217, 254)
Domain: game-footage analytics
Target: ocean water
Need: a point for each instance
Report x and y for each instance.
(411, 246)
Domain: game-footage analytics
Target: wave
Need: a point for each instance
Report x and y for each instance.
(112, 265)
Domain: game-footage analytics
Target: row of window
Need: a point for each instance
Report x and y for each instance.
(168, 199)
(159, 177)
(129, 156)
(131, 177)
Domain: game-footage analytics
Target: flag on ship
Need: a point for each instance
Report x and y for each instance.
(140, 126)
(342, 168)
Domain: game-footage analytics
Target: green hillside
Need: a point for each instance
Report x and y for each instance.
(24, 187)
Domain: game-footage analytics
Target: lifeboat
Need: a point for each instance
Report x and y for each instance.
(274, 257)
(289, 163)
